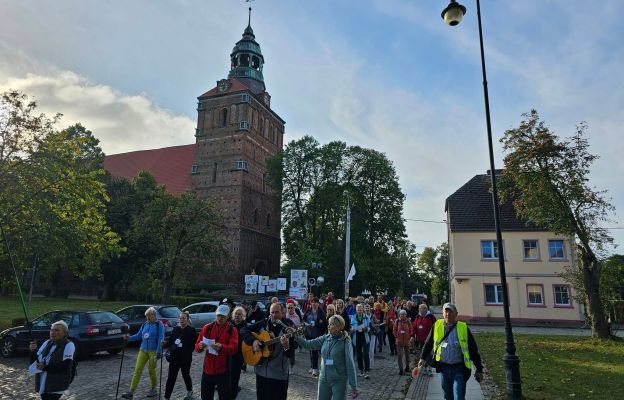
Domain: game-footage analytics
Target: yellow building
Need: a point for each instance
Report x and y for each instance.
(534, 258)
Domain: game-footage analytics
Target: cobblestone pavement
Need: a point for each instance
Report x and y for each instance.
(97, 379)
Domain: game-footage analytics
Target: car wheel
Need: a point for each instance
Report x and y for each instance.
(7, 347)
(113, 351)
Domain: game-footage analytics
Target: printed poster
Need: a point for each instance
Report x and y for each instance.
(251, 284)
(281, 283)
(272, 287)
(298, 278)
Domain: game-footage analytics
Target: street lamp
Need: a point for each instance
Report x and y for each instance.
(453, 15)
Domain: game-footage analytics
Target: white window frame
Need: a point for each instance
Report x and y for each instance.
(524, 256)
(244, 126)
(541, 292)
(194, 169)
(563, 249)
(562, 305)
(242, 165)
(498, 296)
(245, 98)
(494, 251)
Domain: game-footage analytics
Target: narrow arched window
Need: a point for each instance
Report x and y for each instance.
(224, 117)
(256, 216)
(269, 219)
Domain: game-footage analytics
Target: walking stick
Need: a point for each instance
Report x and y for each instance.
(160, 380)
(123, 351)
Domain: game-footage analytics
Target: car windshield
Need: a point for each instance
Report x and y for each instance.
(46, 319)
(104, 317)
(169, 312)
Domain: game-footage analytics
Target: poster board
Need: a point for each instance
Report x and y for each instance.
(281, 283)
(251, 284)
(298, 278)
(272, 286)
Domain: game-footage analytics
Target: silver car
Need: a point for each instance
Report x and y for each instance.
(202, 313)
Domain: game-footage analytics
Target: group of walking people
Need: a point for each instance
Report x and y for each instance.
(336, 333)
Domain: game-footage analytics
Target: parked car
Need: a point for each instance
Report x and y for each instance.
(134, 316)
(91, 331)
(202, 313)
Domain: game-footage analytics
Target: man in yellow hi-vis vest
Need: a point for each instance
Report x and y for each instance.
(454, 351)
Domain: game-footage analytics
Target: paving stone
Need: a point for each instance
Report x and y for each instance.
(97, 379)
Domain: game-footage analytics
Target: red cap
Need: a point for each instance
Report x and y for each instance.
(290, 301)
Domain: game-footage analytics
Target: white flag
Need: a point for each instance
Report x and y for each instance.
(351, 273)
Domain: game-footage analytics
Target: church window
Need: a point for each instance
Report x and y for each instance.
(255, 218)
(264, 181)
(194, 169)
(255, 62)
(224, 117)
(268, 221)
(241, 165)
(272, 135)
(261, 128)
(244, 60)
(214, 173)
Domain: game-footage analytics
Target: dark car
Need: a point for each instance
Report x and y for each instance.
(135, 316)
(91, 331)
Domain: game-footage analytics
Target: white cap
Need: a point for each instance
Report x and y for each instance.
(223, 310)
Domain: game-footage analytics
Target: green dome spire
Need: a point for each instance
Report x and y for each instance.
(247, 60)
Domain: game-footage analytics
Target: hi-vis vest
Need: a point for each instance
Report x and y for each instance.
(462, 335)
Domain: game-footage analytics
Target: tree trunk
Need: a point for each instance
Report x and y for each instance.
(591, 279)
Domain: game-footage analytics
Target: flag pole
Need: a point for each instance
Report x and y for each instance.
(347, 246)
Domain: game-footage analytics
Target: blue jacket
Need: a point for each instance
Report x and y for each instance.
(366, 328)
(155, 334)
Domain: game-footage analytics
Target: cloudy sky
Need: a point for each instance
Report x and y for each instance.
(386, 74)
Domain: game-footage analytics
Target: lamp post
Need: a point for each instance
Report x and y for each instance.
(453, 15)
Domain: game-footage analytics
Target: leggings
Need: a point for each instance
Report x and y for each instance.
(144, 357)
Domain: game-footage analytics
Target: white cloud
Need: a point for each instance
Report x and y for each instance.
(121, 121)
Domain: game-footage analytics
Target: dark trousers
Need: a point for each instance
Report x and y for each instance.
(361, 350)
(271, 389)
(314, 355)
(391, 342)
(208, 384)
(235, 373)
(174, 367)
(50, 396)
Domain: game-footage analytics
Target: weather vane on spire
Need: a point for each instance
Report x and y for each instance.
(249, 22)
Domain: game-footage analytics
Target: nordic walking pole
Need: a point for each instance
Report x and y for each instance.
(19, 288)
(123, 351)
(160, 379)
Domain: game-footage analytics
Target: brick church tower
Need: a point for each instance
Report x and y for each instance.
(236, 133)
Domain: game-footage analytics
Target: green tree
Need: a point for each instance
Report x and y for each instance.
(548, 180)
(183, 235)
(52, 200)
(313, 182)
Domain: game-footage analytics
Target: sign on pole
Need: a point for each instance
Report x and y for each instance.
(251, 284)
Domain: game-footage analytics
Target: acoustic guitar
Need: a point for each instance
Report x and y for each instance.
(252, 357)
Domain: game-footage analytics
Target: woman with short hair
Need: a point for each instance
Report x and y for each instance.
(337, 366)
(360, 326)
(53, 362)
(151, 334)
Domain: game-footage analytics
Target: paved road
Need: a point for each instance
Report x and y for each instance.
(97, 379)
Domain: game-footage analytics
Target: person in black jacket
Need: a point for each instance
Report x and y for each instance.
(181, 345)
(53, 363)
(236, 361)
(316, 325)
(255, 314)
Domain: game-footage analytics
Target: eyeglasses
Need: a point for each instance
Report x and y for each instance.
(291, 308)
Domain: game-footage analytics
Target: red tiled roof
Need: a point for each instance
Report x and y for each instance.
(237, 86)
(170, 166)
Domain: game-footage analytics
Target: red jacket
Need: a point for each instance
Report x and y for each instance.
(228, 337)
(422, 326)
(402, 332)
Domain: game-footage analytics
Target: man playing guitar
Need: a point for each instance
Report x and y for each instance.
(272, 371)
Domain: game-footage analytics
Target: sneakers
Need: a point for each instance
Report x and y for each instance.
(310, 371)
(152, 393)
(128, 395)
(366, 375)
(290, 371)
(361, 374)
(315, 373)
(189, 395)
